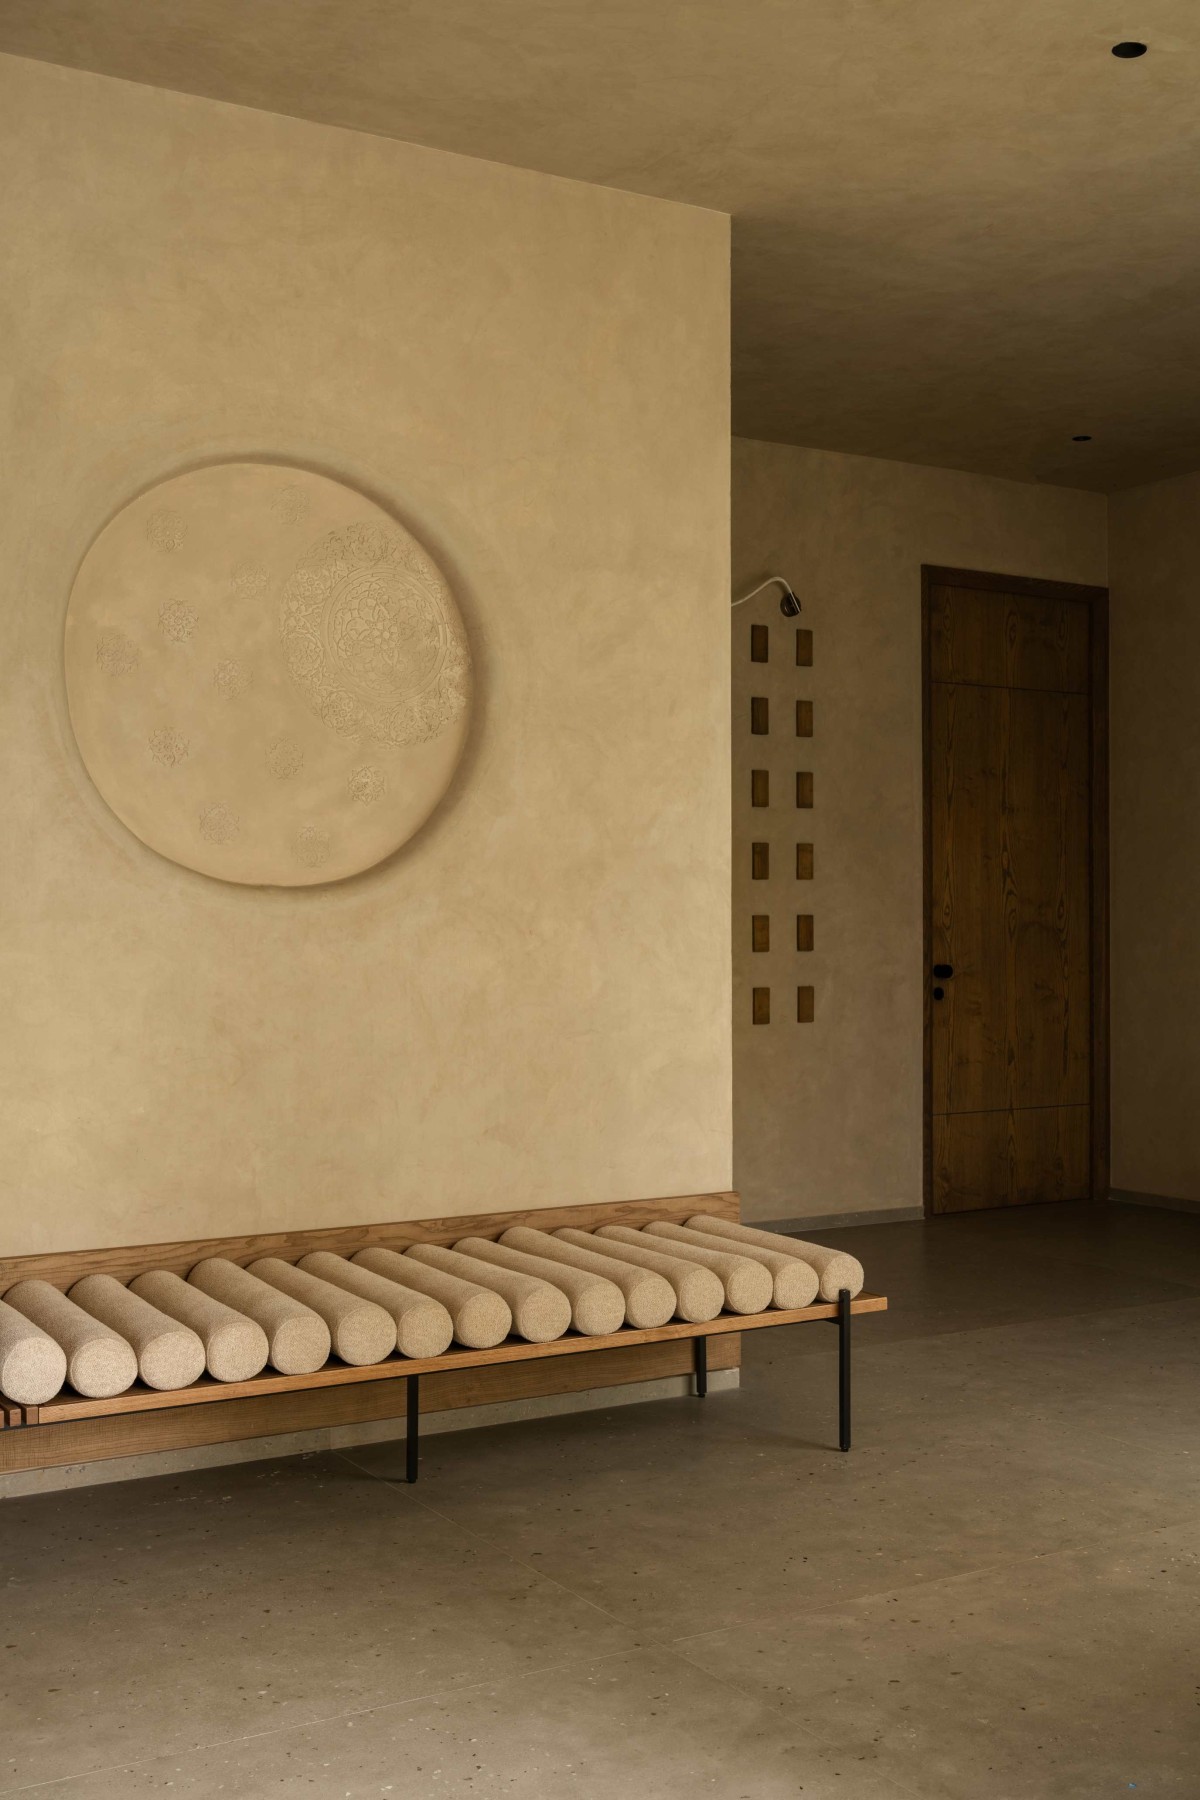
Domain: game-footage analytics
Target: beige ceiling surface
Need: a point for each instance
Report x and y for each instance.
(963, 230)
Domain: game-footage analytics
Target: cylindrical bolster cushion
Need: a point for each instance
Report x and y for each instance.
(699, 1295)
(297, 1338)
(100, 1363)
(649, 1300)
(361, 1332)
(235, 1348)
(793, 1283)
(539, 1312)
(423, 1326)
(480, 1318)
(32, 1366)
(836, 1269)
(748, 1287)
(597, 1304)
(169, 1355)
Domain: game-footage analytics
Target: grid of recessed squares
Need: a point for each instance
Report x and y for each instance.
(760, 850)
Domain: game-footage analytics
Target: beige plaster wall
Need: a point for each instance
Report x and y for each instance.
(530, 1003)
(1154, 540)
(827, 1116)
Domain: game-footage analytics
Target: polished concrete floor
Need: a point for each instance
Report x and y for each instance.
(996, 1596)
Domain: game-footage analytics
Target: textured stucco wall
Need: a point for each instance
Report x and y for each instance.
(1154, 545)
(827, 1116)
(530, 1003)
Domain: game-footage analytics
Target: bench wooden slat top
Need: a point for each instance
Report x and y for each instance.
(142, 1399)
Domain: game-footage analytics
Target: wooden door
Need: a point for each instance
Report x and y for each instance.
(1011, 941)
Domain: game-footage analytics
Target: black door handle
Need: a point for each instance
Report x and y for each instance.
(942, 971)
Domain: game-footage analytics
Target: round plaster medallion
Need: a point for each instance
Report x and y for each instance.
(267, 675)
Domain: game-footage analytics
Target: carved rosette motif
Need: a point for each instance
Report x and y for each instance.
(115, 654)
(367, 785)
(177, 621)
(219, 825)
(168, 746)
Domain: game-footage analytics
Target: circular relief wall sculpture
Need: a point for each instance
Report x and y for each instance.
(268, 677)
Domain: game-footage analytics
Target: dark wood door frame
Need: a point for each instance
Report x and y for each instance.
(1096, 600)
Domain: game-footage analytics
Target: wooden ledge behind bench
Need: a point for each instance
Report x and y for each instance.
(62, 1267)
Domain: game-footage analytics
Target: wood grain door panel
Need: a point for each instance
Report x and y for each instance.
(1010, 900)
(970, 1025)
(1009, 819)
(1011, 1158)
(1008, 640)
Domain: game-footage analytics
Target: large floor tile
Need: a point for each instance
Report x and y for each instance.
(951, 1275)
(1152, 1242)
(159, 1615)
(673, 1548)
(647, 1726)
(1066, 1677)
(1095, 1368)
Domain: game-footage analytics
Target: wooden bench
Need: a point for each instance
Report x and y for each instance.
(63, 1269)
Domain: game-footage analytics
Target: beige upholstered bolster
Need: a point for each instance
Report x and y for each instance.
(481, 1318)
(539, 1312)
(649, 1299)
(360, 1331)
(423, 1326)
(298, 1338)
(235, 1348)
(698, 1293)
(100, 1363)
(169, 1355)
(597, 1304)
(748, 1287)
(32, 1366)
(793, 1283)
(836, 1269)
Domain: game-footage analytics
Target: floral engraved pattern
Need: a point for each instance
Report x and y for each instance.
(115, 654)
(312, 846)
(291, 503)
(168, 746)
(249, 580)
(177, 620)
(371, 640)
(218, 825)
(367, 785)
(230, 679)
(165, 529)
(285, 758)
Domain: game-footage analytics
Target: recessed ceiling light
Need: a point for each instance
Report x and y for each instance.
(1129, 49)
(1082, 437)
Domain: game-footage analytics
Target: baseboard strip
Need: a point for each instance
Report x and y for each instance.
(1130, 1197)
(888, 1215)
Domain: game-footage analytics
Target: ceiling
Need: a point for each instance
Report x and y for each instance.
(963, 230)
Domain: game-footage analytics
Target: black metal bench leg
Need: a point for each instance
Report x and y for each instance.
(412, 1442)
(844, 1316)
(700, 1354)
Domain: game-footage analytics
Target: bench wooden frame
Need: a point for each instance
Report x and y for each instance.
(64, 1268)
